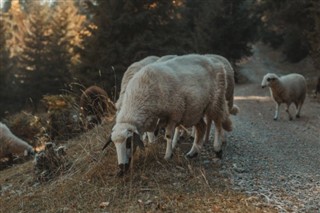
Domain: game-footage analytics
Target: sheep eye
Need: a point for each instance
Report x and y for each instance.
(268, 79)
(128, 142)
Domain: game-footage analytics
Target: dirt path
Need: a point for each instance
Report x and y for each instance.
(276, 160)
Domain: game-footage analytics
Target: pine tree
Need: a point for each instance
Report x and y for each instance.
(48, 54)
(17, 27)
(127, 31)
(313, 35)
(4, 60)
(225, 27)
(285, 24)
(34, 74)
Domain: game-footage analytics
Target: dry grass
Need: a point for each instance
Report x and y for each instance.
(152, 185)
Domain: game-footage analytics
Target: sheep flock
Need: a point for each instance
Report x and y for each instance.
(167, 92)
(171, 93)
(189, 91)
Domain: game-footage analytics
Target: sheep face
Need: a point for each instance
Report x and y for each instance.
(268, 80)
(122, 135)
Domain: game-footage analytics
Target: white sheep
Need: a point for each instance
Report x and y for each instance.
(233, 109)
(12, 145)
(291, 88)
(130, 72)
(178, 91)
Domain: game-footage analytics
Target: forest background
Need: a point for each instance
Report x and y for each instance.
(50, 47)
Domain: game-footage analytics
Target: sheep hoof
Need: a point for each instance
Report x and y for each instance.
(192, 156)
(297, 116)
(219, 154)
(290, 118)
(275, 119)
(168, 157)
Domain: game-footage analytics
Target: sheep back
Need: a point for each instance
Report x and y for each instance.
(129, 73)
(233, 109)
(179, 89)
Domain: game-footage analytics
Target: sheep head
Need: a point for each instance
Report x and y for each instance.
(123, 135)
(268, 80)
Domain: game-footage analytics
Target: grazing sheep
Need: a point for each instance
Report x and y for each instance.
(233, 109)
(94, 104)
(12, 145)
(178, 91)
(130, 72)
(291, 88)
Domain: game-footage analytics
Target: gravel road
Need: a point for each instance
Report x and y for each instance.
(276, 160)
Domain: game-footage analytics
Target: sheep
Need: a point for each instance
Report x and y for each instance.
(233, 109)
(94, 104)
(178, 91)
(291, 88)
(130, 72)
(12, 145)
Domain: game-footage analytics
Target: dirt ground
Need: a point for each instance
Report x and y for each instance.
(267, 165)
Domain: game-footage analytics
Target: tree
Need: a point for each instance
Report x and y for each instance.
(127, 31)
(285, 24)
(11, 25)
(4, 61)
(313, 35)
(35, 77)
(48, 54)
(224, 27)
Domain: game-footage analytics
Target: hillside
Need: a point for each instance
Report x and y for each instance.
(267, 166)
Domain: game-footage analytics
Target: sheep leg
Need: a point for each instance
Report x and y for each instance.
(198, 139)
(208, 129)
(151, 137)
(168, 135)
(287, 110)
(298, 108)
(217, 144)
(276, 115)
(175, 137)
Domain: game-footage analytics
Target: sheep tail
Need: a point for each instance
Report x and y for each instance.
(222, 84)
(234, 110)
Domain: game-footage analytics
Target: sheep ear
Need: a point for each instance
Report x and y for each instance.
(137, 139)
(107, 143)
